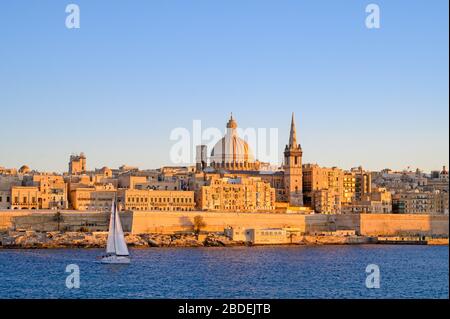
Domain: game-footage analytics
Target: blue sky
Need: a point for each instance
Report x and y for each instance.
(135, 70)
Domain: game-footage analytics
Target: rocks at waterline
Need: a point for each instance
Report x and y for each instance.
(50, 240)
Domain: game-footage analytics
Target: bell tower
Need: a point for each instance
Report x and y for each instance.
(293, 178)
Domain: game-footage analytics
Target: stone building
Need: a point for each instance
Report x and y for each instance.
(5, 199)
(232, 157)
(6, 183)
(7, 171)
(77, 164)
(357, 185)
(326, 201)
(420, 202)
(52, 191)
(151, 200)
(248, 194)
(316, 178)
(97, 198)
(24, 197)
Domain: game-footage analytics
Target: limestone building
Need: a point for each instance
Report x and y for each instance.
(420, 202)
(52, 191)
(5, 199)
(24, 197)
(233, 158)
(316, 178)
(357, 185)
(151, 200)
(326, 201)
(249, 194)
(77, 164)
(98, 198)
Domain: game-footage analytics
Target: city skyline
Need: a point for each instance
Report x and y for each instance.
(99, 165)
(118, 86)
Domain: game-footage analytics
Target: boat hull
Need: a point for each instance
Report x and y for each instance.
(119, 260)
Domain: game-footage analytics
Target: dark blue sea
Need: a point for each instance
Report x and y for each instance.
(245, 272)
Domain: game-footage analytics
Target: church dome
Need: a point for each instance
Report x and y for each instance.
(232, 152)
(24, 169)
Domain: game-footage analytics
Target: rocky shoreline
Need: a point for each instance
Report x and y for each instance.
(56, 240)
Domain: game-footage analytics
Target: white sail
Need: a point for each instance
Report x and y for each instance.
(111, 245)
(121, 245)
(116, 240)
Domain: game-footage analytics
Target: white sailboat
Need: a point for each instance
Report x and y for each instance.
(116, 249)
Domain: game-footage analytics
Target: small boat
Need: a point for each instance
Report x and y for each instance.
(116, 249)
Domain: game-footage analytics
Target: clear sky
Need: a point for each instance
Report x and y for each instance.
(135, 70)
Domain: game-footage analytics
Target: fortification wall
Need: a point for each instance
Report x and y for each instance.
(170, 222)
(396, 224)
(70, 220)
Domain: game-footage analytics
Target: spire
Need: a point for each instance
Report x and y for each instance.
(293, 135)
(232, 123)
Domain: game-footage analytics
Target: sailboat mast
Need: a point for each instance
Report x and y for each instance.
(114, 226)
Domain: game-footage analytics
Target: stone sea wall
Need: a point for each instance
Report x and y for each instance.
(172, 222)
(364, 224)
(395, 224)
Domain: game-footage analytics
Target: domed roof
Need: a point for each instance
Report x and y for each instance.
(24, 169)
(231, 149)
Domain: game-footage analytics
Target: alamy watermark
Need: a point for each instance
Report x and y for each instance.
(373, 17)
(73, 279)
(262, 142)
(373, 280)
(73, 19)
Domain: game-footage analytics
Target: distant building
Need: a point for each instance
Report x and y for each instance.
(7, 171)
(316, 178)
(232, 157)
(77, 164)
(326, 201)
(357, 185)
(6, 183)
(150, 200)
(420, 202)
(249, 194)
(99, 198)
(52, 191)
(269, 236)
(24, 197)
(5, 199)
